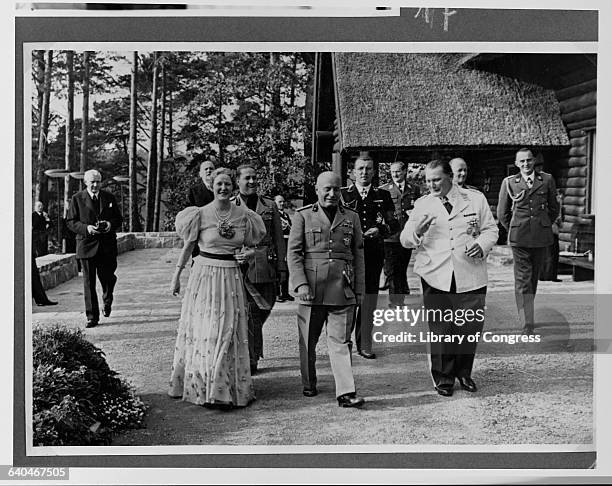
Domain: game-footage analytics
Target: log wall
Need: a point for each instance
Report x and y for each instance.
(578, 103)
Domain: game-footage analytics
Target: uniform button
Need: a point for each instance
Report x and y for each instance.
(451, 228)
(451, 238)
(452, 248)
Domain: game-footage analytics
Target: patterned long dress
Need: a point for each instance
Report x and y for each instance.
(211, 356)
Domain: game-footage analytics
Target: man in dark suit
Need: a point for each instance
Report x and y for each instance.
(270, 258)
(40, 226)
(377, 217)
(527, 207)
(201, 194)
(94, 217)
(403, 193)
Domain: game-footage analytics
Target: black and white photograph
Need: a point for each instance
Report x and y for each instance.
(300, 248)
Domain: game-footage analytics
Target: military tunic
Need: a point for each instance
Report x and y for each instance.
(397, 257)
(527, 214)
(328, 257)
(375, 211)
(262, 272)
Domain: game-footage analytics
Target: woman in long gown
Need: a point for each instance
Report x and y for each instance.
(211, 357)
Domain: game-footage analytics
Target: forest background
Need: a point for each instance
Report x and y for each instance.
(148, 119)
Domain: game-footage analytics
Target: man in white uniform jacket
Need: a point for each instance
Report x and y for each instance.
(452, 230)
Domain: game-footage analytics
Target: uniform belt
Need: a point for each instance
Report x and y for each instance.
(217, 256)
(326, 255)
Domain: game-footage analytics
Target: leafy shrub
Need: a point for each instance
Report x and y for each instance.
(77, 398)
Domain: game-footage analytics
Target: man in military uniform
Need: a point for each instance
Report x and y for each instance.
(403, 193)
(527, 207)
(452, 230)
(269, 259)
(460, 173)
(326, 270)
(377, 217)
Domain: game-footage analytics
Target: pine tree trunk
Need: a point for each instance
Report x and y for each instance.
(85, 117)
(41, 162)
(160, 152)
(170, 141)
(134, 219)
(69, 157)
(152, 166)
(39, 57)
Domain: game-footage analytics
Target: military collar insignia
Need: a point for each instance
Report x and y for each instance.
(518, 179)
(315, 207)
(538, 176)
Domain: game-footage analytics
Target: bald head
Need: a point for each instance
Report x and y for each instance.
(328, 189)
(460, 171)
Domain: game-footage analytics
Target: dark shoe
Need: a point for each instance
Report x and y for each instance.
(107, 311)
(384, 286)
(310, 392)
(91, 323)
(366, 355)
(528, 331)
(46, 302)
(467, 384)
(556, 280)
(349, 400)
(253, 369)
(445, 390)
(289, 298)
(280, 299)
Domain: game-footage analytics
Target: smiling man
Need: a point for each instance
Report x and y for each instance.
(527, 207)
(94, 217)
(326, 270)
(269, 260)
(452, 230)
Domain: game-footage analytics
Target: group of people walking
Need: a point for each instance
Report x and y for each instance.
(329, 256)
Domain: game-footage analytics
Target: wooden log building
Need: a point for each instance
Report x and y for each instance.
(483, 107)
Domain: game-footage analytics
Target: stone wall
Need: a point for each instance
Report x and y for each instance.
(56, 269)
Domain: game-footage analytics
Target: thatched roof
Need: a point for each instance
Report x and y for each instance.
(426, 100)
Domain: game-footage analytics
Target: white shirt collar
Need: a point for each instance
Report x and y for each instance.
(530, 177)
(91, 194)
(452, 194)
(361, 189)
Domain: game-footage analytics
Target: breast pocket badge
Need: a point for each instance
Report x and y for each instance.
(348, 238)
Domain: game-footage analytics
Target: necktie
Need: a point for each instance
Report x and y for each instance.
(364, 193)
(401, 187)
(447, 205)
(96, 202)
(529, 182)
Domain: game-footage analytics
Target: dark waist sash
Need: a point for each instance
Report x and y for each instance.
(327, 255)
(217, 256)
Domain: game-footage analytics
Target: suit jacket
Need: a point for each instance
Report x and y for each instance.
(271, 253)
(375, 211)
(403, 202)
(327, 256)
(82, 213)
(40, 224)
(441, 250)
(199, 195)
(526, 213)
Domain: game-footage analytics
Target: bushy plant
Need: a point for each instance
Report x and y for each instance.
(77, 398)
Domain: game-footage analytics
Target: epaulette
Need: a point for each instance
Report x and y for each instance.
(305, 207)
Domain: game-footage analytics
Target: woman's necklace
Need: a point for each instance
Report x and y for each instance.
(224, 226)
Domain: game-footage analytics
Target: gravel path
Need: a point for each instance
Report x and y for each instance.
(528, 393)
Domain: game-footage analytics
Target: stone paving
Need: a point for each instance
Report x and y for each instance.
(138, 340)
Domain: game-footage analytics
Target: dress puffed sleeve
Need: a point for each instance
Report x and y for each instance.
(188, 223)
(255, 228)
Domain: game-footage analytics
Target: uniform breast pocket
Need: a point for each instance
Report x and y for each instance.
(313, 236)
